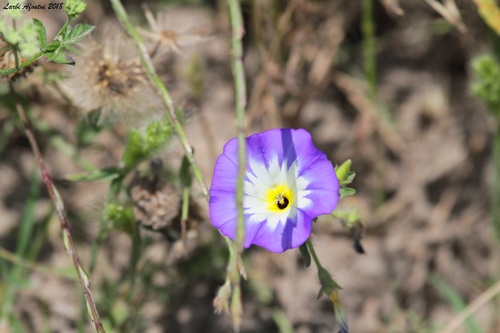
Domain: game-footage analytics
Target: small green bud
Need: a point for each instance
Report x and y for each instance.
(74, 8)
(29, 49)
(142, 144)
(12, 37)
(30, 44)
(14, 9)
(343, 171)
(3, 26)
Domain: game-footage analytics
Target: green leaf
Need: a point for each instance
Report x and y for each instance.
(305, 254)
(109, 173)
(455, 301)
(59, 57)
(8, 71)
(53, 46)
(185, 173)
(141, 144)
(345, 192)
(350, 177)
(77, 33)
(71, 49)
(64, 34)
(121, 217)
(42, 33)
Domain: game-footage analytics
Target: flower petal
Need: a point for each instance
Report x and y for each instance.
(278, 158)
(285, 236)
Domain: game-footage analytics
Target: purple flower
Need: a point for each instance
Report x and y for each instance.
(288, 183)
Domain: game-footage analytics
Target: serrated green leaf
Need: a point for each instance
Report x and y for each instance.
(59, 57)
(345, 192)
(65, 34)
(42, 33)
(76, 34)
(71, 49)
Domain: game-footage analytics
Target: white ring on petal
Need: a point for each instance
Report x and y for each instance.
(261, 180)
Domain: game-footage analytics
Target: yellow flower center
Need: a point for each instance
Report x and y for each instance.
(279, 198)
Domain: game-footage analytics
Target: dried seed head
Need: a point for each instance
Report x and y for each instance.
(155, 208)
(158, 207)
(108, 75)
(166, 34)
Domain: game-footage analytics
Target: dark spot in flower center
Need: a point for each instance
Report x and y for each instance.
(282, 203)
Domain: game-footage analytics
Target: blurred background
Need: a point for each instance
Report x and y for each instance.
(404, 89)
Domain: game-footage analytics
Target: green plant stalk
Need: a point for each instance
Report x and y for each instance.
(240, 104)
(331, 289)
(313, 253)
(63, 28)
(156, 81)
(495, 189)
(369, 44)
(22, 66)
(67, 238)
(237, 30)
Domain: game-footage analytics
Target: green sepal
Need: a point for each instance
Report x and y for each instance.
(345, 192)
(320, 293)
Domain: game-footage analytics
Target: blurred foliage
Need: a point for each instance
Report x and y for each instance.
(455, 300)
(487, 85)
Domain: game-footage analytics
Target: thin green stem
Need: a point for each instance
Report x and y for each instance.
(369, 43)
(18, 67)
(313, 253)
(495, 189)
(240, 104)
(237, 30)
(156, 81)
(65, 25)
(59, 206)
